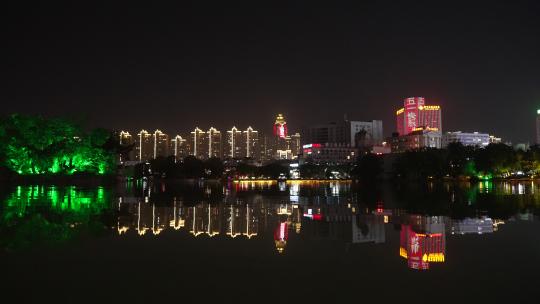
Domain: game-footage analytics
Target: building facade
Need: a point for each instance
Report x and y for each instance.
(418, 139)
(198, 143)
(475, 139)
(213, 143)
(250, 140)
(160, 144)
(280, 127)
(144, 148)
(233, 145)
(178, 148)
(416, 114)
(349, 132)
(125, 139)
(329, 153)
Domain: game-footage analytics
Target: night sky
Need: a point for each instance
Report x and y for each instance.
(174, 68)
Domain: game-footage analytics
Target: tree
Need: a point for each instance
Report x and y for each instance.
(213, 167)
(368, 167)
(34, 145)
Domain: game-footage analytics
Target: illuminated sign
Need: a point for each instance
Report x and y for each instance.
(312, 146)
(281, 131)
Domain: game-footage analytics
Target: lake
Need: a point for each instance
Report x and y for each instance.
(246, 242)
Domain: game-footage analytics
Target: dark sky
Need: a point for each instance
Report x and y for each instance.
(132, 67)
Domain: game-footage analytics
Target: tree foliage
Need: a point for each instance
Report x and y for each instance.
(35, 145)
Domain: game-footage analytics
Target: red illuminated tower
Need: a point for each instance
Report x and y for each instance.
(421, 248)
(280, 127)
(281, 234)
(415, 115)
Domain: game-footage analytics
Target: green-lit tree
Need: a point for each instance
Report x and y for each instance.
(35, 146)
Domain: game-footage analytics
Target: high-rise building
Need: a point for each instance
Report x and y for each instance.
(197, 143)
(144, 147)
(161, 144)
(266, 146)
(126, 140)
(280, 127)
(295, 144)
(538, 126)
(349, 132)
(251, 143)
(416, 114)
(233, 146)
(214, 143)
(178, 148)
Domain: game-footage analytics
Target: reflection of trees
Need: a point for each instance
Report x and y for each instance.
(463, 200)
(32, 215)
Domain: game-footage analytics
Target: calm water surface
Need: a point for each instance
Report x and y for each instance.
(271, 242)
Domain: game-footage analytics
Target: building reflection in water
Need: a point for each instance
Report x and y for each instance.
(422, 237)
(318, 212)
(423, 241)
(318, 216)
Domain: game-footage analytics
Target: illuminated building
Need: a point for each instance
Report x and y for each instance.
(472, 225)
(288, 147)
(266, 148)
(234, 222)
(419, 138)
(144, 148)
(178, 148)
(280, 127)
(368, 228)
(353, 133)
(294, 143)
(416, 114)
(214, 143)
(423, 241)
(281, 234)
(538, 126)
(494, 140)
(467, 139)
(233, 147)
(252, 223)
(329, 153)
(125, 139)
(161, 144)
(251, 143)
(197, 143)
(281, 145)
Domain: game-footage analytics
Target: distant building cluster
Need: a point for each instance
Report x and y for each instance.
(418, 125)
(342, 142)
(234, 143)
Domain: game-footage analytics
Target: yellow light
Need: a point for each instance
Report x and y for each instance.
(403, 252)
(400, 111)
(429, 108)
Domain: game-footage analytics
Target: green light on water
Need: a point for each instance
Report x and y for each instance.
(33, 214)
(485, 177)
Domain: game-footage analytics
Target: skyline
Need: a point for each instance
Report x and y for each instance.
(173, 68)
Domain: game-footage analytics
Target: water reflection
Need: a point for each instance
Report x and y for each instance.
(32, 215)
(415, 220)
